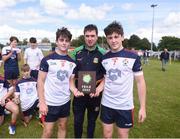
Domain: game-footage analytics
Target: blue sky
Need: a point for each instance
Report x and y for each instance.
(41, 18)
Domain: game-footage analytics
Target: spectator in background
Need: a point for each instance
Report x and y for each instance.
(33, 56)
(164, 57)
(11, 55)
(53, 48)
(146, 56)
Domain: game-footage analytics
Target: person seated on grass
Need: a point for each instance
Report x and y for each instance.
(26, 92)
(6, 103)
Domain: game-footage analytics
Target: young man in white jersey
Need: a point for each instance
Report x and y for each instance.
(33, 56)
(26, 94)
(55, 72)
(121, 68)
(6, 92)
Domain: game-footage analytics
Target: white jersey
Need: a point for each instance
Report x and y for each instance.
(33, 57)
(12, 61)
(27, 89)
(59, 69)
(4, 86)
(121, 67)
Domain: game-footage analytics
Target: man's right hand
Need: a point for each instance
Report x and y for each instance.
(43, 108)
(77, 93)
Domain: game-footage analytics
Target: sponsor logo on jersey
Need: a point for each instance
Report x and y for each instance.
(114, 74)
(62, 75)
(52, 63)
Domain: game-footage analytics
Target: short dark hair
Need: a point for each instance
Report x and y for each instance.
(12, 38)
(25, 68)
(64, 32)
(91, 27)
(114, 27)
(32, 40)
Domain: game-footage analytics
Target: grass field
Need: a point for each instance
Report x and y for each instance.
(163, 109)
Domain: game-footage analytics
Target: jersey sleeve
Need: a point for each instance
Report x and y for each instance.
(44, 66)
(74, 70)
(17, 88)
(6, 84)
(40, 54)
(137, 65)
(4, 51)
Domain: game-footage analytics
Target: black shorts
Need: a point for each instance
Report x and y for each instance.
(122, 118)
(56, 112)
(11, 74)
(31, 110)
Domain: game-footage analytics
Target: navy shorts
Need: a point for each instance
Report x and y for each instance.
(11, 74)
(122, 118)
(34, 74)
(31, 110)
(1, 110)
(56, 112)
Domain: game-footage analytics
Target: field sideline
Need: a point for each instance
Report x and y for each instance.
(163, 108)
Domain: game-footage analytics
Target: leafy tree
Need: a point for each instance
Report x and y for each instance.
(45, 40)
(134, 42)
(169, 42)
(125, 43)
(25, 41)
(77, 42)
(145, 44)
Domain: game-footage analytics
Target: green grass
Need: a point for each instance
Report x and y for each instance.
(163, 109)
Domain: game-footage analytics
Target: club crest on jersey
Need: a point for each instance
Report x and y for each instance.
(95, 60)
(71, 65)
(115, 59)
(125, 62)
(62, 75)
(62, 63)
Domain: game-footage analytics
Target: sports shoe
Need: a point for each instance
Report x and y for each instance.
(12, 129)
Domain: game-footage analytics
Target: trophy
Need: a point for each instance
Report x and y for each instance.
(87, 81)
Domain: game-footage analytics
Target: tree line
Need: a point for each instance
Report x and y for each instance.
(169, 42)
